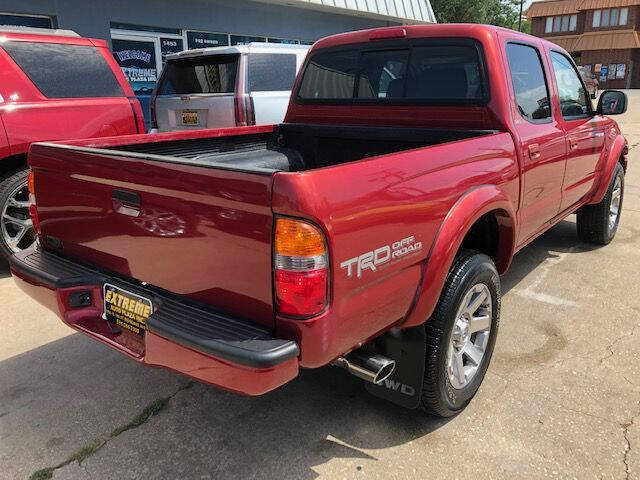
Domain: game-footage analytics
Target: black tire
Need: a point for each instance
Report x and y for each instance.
(7, 186)
(593, 220)
(439, 397)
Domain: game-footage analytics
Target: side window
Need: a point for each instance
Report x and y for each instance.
(330, 76)
(571, 93)
(529, 85)
(271, 72)
(65, 71)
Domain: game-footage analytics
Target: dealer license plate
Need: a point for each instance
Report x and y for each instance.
(125, 309)
(189, 117)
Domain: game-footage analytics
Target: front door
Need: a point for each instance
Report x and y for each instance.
(541, 138)
(584, 132)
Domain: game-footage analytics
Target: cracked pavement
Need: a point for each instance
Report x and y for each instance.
(561, 399)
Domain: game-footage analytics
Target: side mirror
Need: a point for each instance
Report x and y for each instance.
(612, 102)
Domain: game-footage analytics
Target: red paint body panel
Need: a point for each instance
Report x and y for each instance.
(28, 116)
(222, 252)
(157, 351)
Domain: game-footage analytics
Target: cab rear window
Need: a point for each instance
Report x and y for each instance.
(188, 76)
(65, 71)
(425, 72)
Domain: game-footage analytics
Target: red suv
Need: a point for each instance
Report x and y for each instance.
(54, 85)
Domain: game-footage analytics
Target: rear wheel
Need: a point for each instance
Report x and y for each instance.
(461, 334)
(16, 229)
(599, 223)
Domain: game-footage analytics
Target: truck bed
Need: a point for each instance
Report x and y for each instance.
(294, 148)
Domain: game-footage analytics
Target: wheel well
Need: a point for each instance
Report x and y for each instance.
(12, 163)
(623, 160)
(484, 236)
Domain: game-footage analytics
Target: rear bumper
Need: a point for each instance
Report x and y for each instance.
(227, 352)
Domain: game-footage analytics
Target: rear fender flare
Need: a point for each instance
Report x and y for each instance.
(617, 150)
(457, 223)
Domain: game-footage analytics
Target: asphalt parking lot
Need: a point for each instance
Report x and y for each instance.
(561, 399)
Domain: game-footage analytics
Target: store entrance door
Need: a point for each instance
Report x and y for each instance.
(140, 55)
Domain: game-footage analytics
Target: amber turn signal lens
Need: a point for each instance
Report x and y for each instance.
(296, 237)
(30, 183)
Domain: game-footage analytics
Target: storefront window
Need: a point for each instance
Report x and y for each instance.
(604, 19)
(36, 21)
(573, 20)
(596, 18)
(244, 40)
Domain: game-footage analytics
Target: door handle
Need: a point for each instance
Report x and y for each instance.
(126, 203)
(573, 144)
(534, 151)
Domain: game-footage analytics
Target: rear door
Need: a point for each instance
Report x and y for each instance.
(198, 92)
(584, 133)
(542, 139)
(270, 80)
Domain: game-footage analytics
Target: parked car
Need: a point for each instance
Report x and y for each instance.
(226, 86)
(54, 85)
(367, 231)
(590, 80)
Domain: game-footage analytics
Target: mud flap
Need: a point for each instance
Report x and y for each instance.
(408, 349)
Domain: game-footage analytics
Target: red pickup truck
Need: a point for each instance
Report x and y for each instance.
(367, 231)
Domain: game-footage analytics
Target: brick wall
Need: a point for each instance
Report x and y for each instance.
(606, 57)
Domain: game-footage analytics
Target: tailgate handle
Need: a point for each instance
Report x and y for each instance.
(126, 203)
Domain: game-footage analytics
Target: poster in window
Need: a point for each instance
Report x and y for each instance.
(603, 73)
(620, 69)
(170, 45)
(206, 39)
(612, 71)
(137, 59)
(597, 67)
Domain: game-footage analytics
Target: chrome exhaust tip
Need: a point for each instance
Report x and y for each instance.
(367, 366)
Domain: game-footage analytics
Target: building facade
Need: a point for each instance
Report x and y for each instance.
(601, 35)
(142, 32)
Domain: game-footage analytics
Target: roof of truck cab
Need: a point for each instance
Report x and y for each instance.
(262, 47)
(442, 30)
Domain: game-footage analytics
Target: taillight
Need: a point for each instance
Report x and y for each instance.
(244, 110)
(301, 268)
(33, 210)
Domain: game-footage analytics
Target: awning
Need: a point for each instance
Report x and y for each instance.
(567, 42)
(607, 40)
(401, 11)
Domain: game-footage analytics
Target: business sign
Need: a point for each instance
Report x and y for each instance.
(137, 58)
(206, 39)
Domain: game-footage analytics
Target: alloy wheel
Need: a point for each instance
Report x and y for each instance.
(16, 225)
(470, 336)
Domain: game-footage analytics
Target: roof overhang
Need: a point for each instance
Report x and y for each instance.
(407, 12)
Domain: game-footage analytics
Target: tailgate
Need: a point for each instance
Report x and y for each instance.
(192, 230)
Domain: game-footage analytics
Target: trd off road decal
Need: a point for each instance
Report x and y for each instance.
(388, 253)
